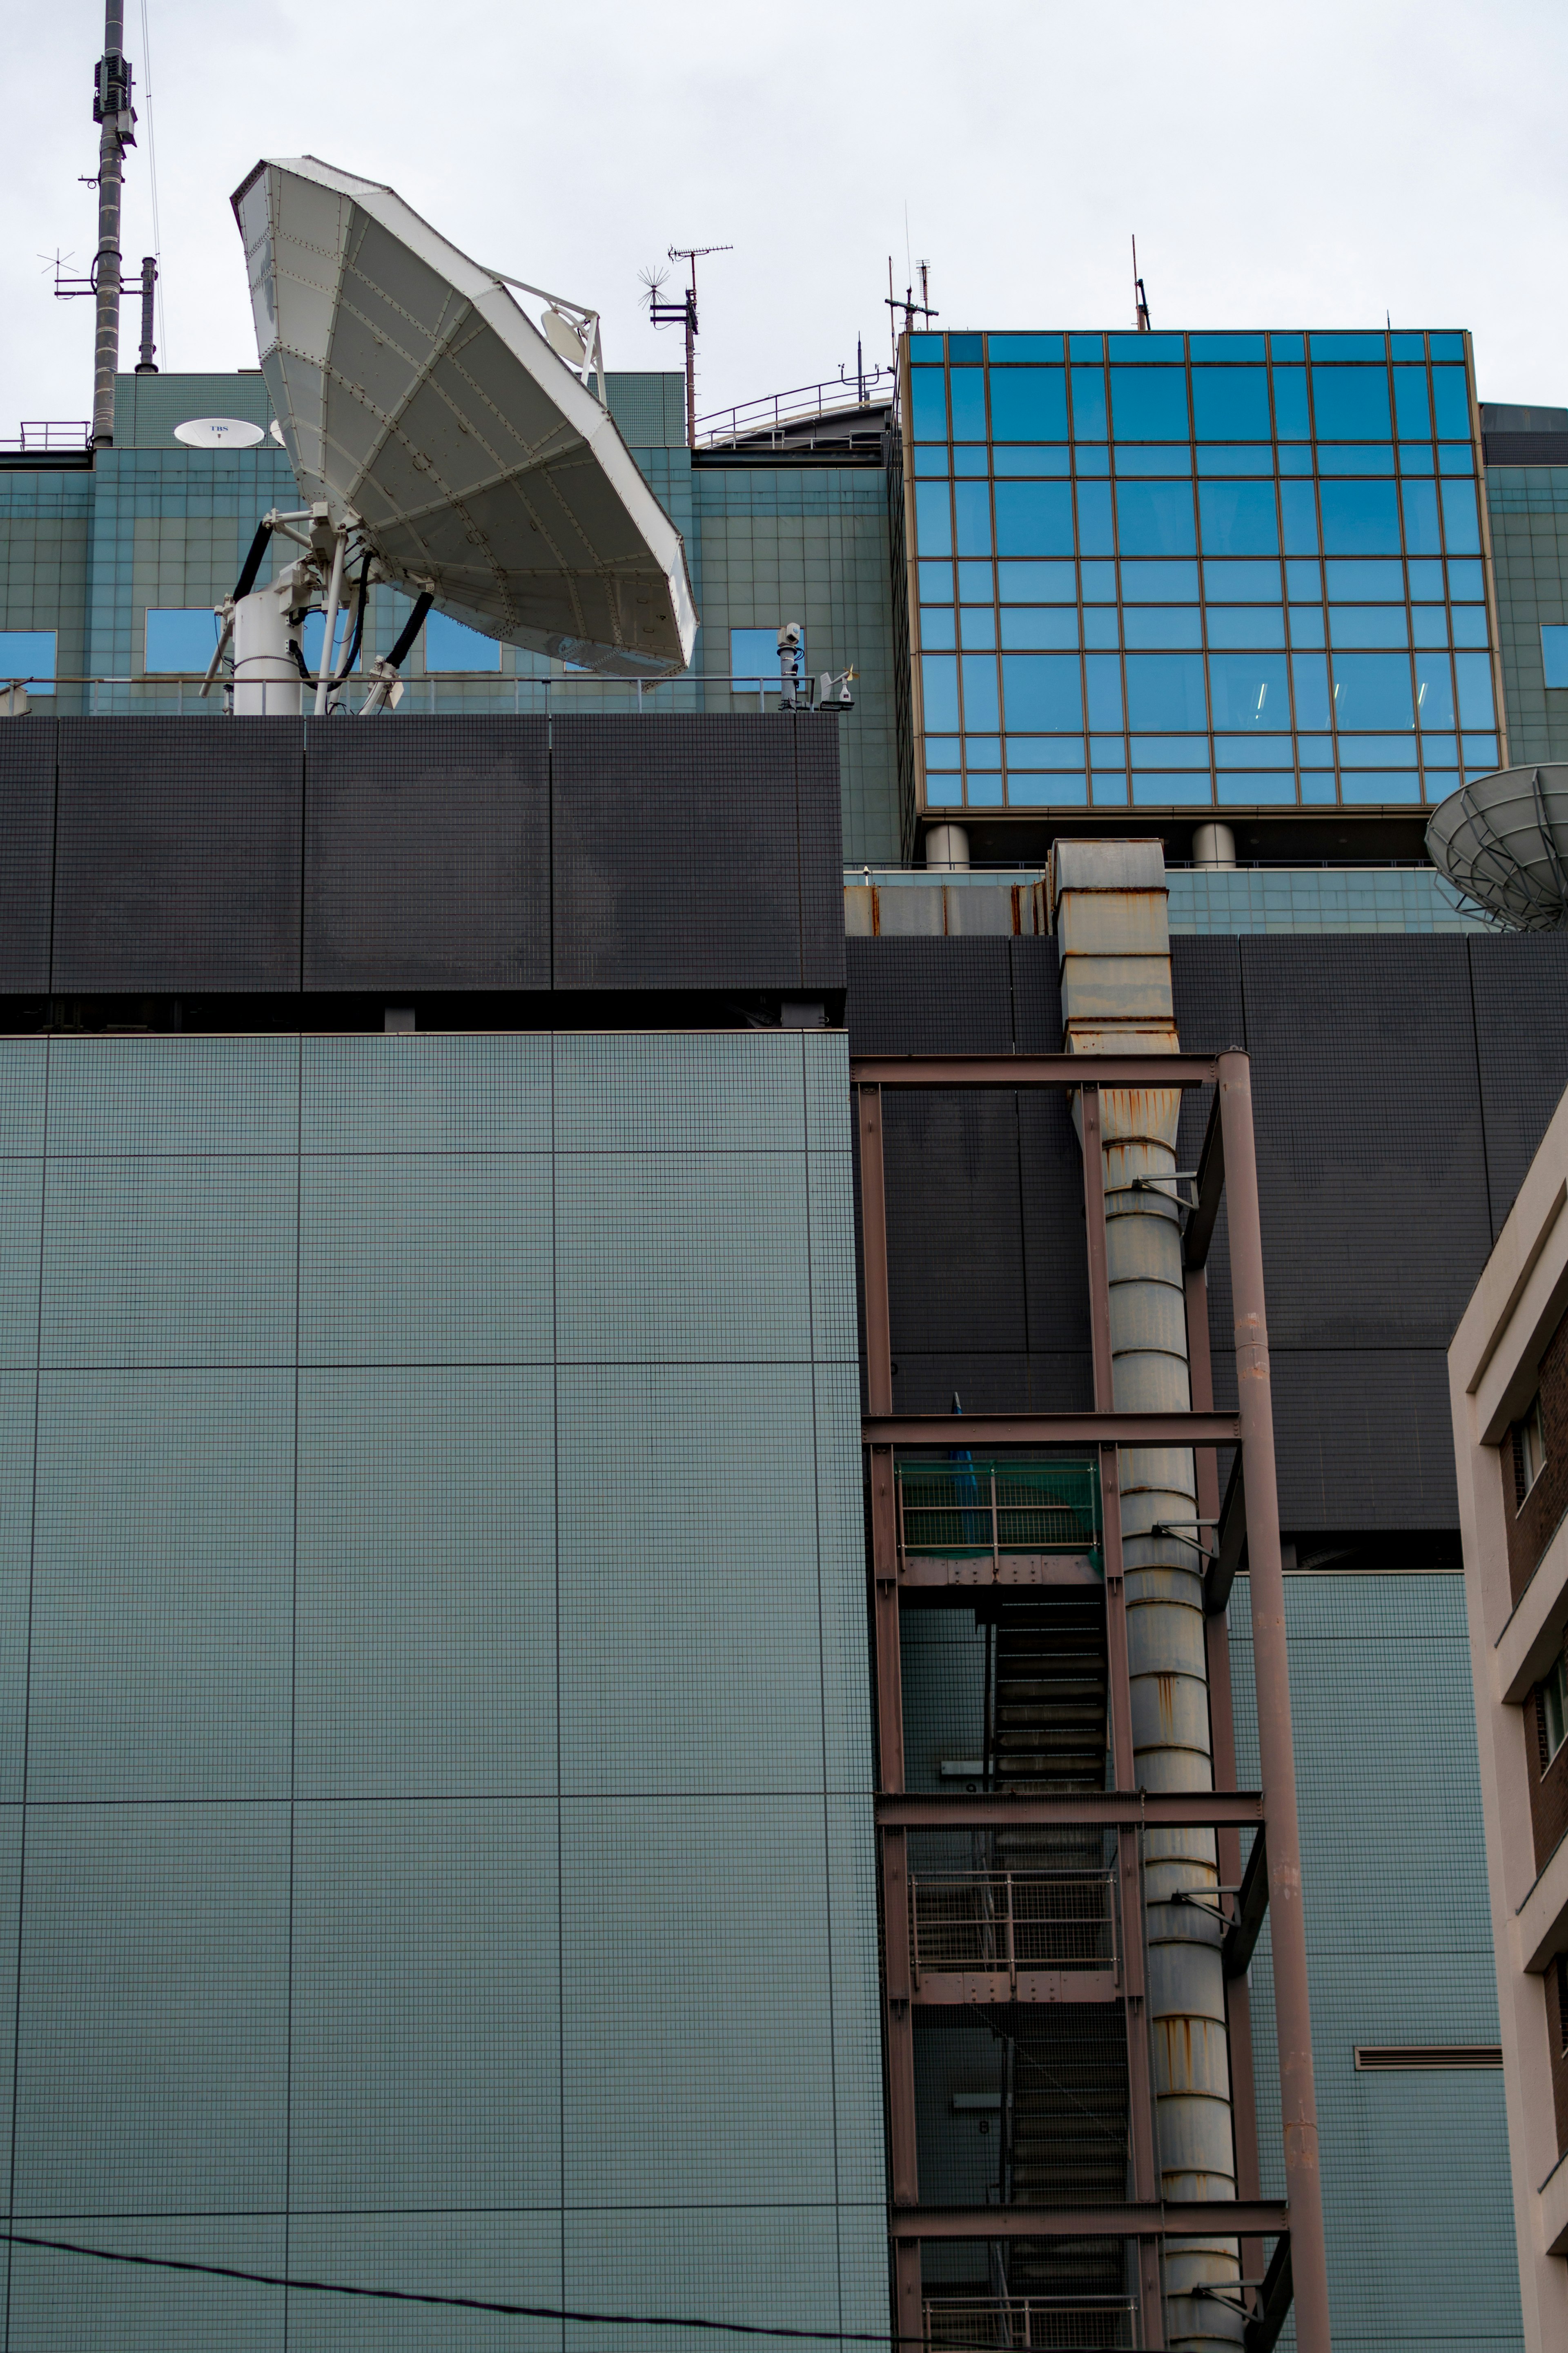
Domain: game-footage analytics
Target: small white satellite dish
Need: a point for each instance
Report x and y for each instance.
(277, 432)
(562, 337)
(461, 439)
(219, 433)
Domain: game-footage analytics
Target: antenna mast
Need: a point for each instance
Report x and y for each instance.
(1140, 299)
(684, 313)
(112, 109)
(907, 303)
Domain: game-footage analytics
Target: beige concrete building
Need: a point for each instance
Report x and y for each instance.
(1508, 1370)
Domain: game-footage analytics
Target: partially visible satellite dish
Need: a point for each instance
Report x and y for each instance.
(419, 399)
(277, 432)
(1503, 840)
(219, 433)
(564, 337)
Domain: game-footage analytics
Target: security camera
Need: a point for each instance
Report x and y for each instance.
(790, 637)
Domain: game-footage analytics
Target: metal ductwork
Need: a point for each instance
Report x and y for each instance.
(1110, 911)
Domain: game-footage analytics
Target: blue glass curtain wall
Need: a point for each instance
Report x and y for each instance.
(1165, 569)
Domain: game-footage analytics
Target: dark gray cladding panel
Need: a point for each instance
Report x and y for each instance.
(955, 1257)
(821, 849)
(930, 996)
(1205, 989)
(26, 864)
(1362, 1438)
(177, 855)
(1036, 997)
(1371, 1170)
(678, 855)
(1521, 983)
(427, 853)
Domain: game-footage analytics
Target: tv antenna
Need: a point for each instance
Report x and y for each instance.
(682, 314)
(1140, 299)
(907, 303)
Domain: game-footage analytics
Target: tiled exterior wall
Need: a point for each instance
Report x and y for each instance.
(1529, 511)
(1415, 2164)
(1530, 1524)
(435, 1748)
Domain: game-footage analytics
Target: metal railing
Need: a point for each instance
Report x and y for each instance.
(177, 693)
(41, 434)
(963, 1507)
(1011, 1920)
(801, 406)
(1076, 2326)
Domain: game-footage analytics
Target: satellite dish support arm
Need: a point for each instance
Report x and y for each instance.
(388, 685)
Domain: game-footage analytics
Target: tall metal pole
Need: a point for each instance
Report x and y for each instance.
(112, 110)
(1298, 2101)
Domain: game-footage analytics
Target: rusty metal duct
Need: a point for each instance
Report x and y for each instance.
(1109, 902)
(1503, 840)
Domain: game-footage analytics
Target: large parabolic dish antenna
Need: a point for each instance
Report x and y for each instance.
(417, 398)
(1503, 840)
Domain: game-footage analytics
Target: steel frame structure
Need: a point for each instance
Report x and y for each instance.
(1273, 1878)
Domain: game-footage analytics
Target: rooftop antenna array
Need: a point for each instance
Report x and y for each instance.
(448, 441)
(116, 119)
(682, 314)
(907, 303)
(1140, 298)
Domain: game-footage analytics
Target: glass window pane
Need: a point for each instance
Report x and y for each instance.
(1338, 345)
(1162, 628)
(1146, 347)
(1372, 690)
(1455, 457)
(1099, 582)
(1306, 626)
(1474, 673)
(1025, 347)
(1042, 691)
(1088, 403)
(1102, 685)
(1406, 346)
(1356, 458)
(1041, 458)
(924, 346)
(1246, 625)
(1170, 751)
(754, 655)
(1429, 625)
(1416, 457)
(928, 403)
(1249, 690)
(1480, 753)
(1231, 404)
(1225, 347)
(1451, 399)
(1368, 625)
(1028, 404)
(1299, 515)
(1100, 625)
(978, 629)
(976, 584)
(1033, 519)
(1045, 752)
(980, 704)
(1038, 628)
(175, 639)
(1350, 403)
(1149, 404)
(933, 460)
(1315, 751)
(1470, 625)
(1419, 501)
(1172, 792)
(970, 457)
(1227, 458)
(28, 656)
(971, 508)
(1038, 584)
(982, 751)
(1155, 519)
(1412, 409)
(1239, 518)
(1434, 690)
(1310, 676)
(1090, 458)
(1252, 788)
(1366, 583)
(1555, 653)
(1466, 584)
(933, 518)
(1094, 536)
(1362, 518)
(1242, 584)
(1166, 691)
(1252, 751)
(943, 752)
(1288, 347)
(1085, 347)
(1290, 417)
(937, 634)
(1358, 786)
(1146, 457)
(965, 347)
(1461, 526)
(968, 397)
(1426, 578)
(939, 678)
(1160, 584)
(1377, 751)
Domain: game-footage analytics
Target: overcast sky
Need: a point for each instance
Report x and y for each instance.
(1306, 166)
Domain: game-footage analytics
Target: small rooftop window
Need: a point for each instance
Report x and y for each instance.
(28, 655)
(1529, 1451)
(1553, 653)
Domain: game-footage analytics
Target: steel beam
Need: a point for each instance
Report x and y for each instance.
(1034, 1988)
(967, 1575)
(1155, 1810)
(1251, 1904)
(1079, 1430)
(1230, 1541)
(1298, 2102)
(1033, 1070)
(1203, 2218)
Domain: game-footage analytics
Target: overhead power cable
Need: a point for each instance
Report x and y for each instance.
(464, 2302)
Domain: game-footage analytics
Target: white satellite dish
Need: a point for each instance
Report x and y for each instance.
(564, 337)
(423, 406)
(277, 432)
(219, 433)
(1503, 840)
